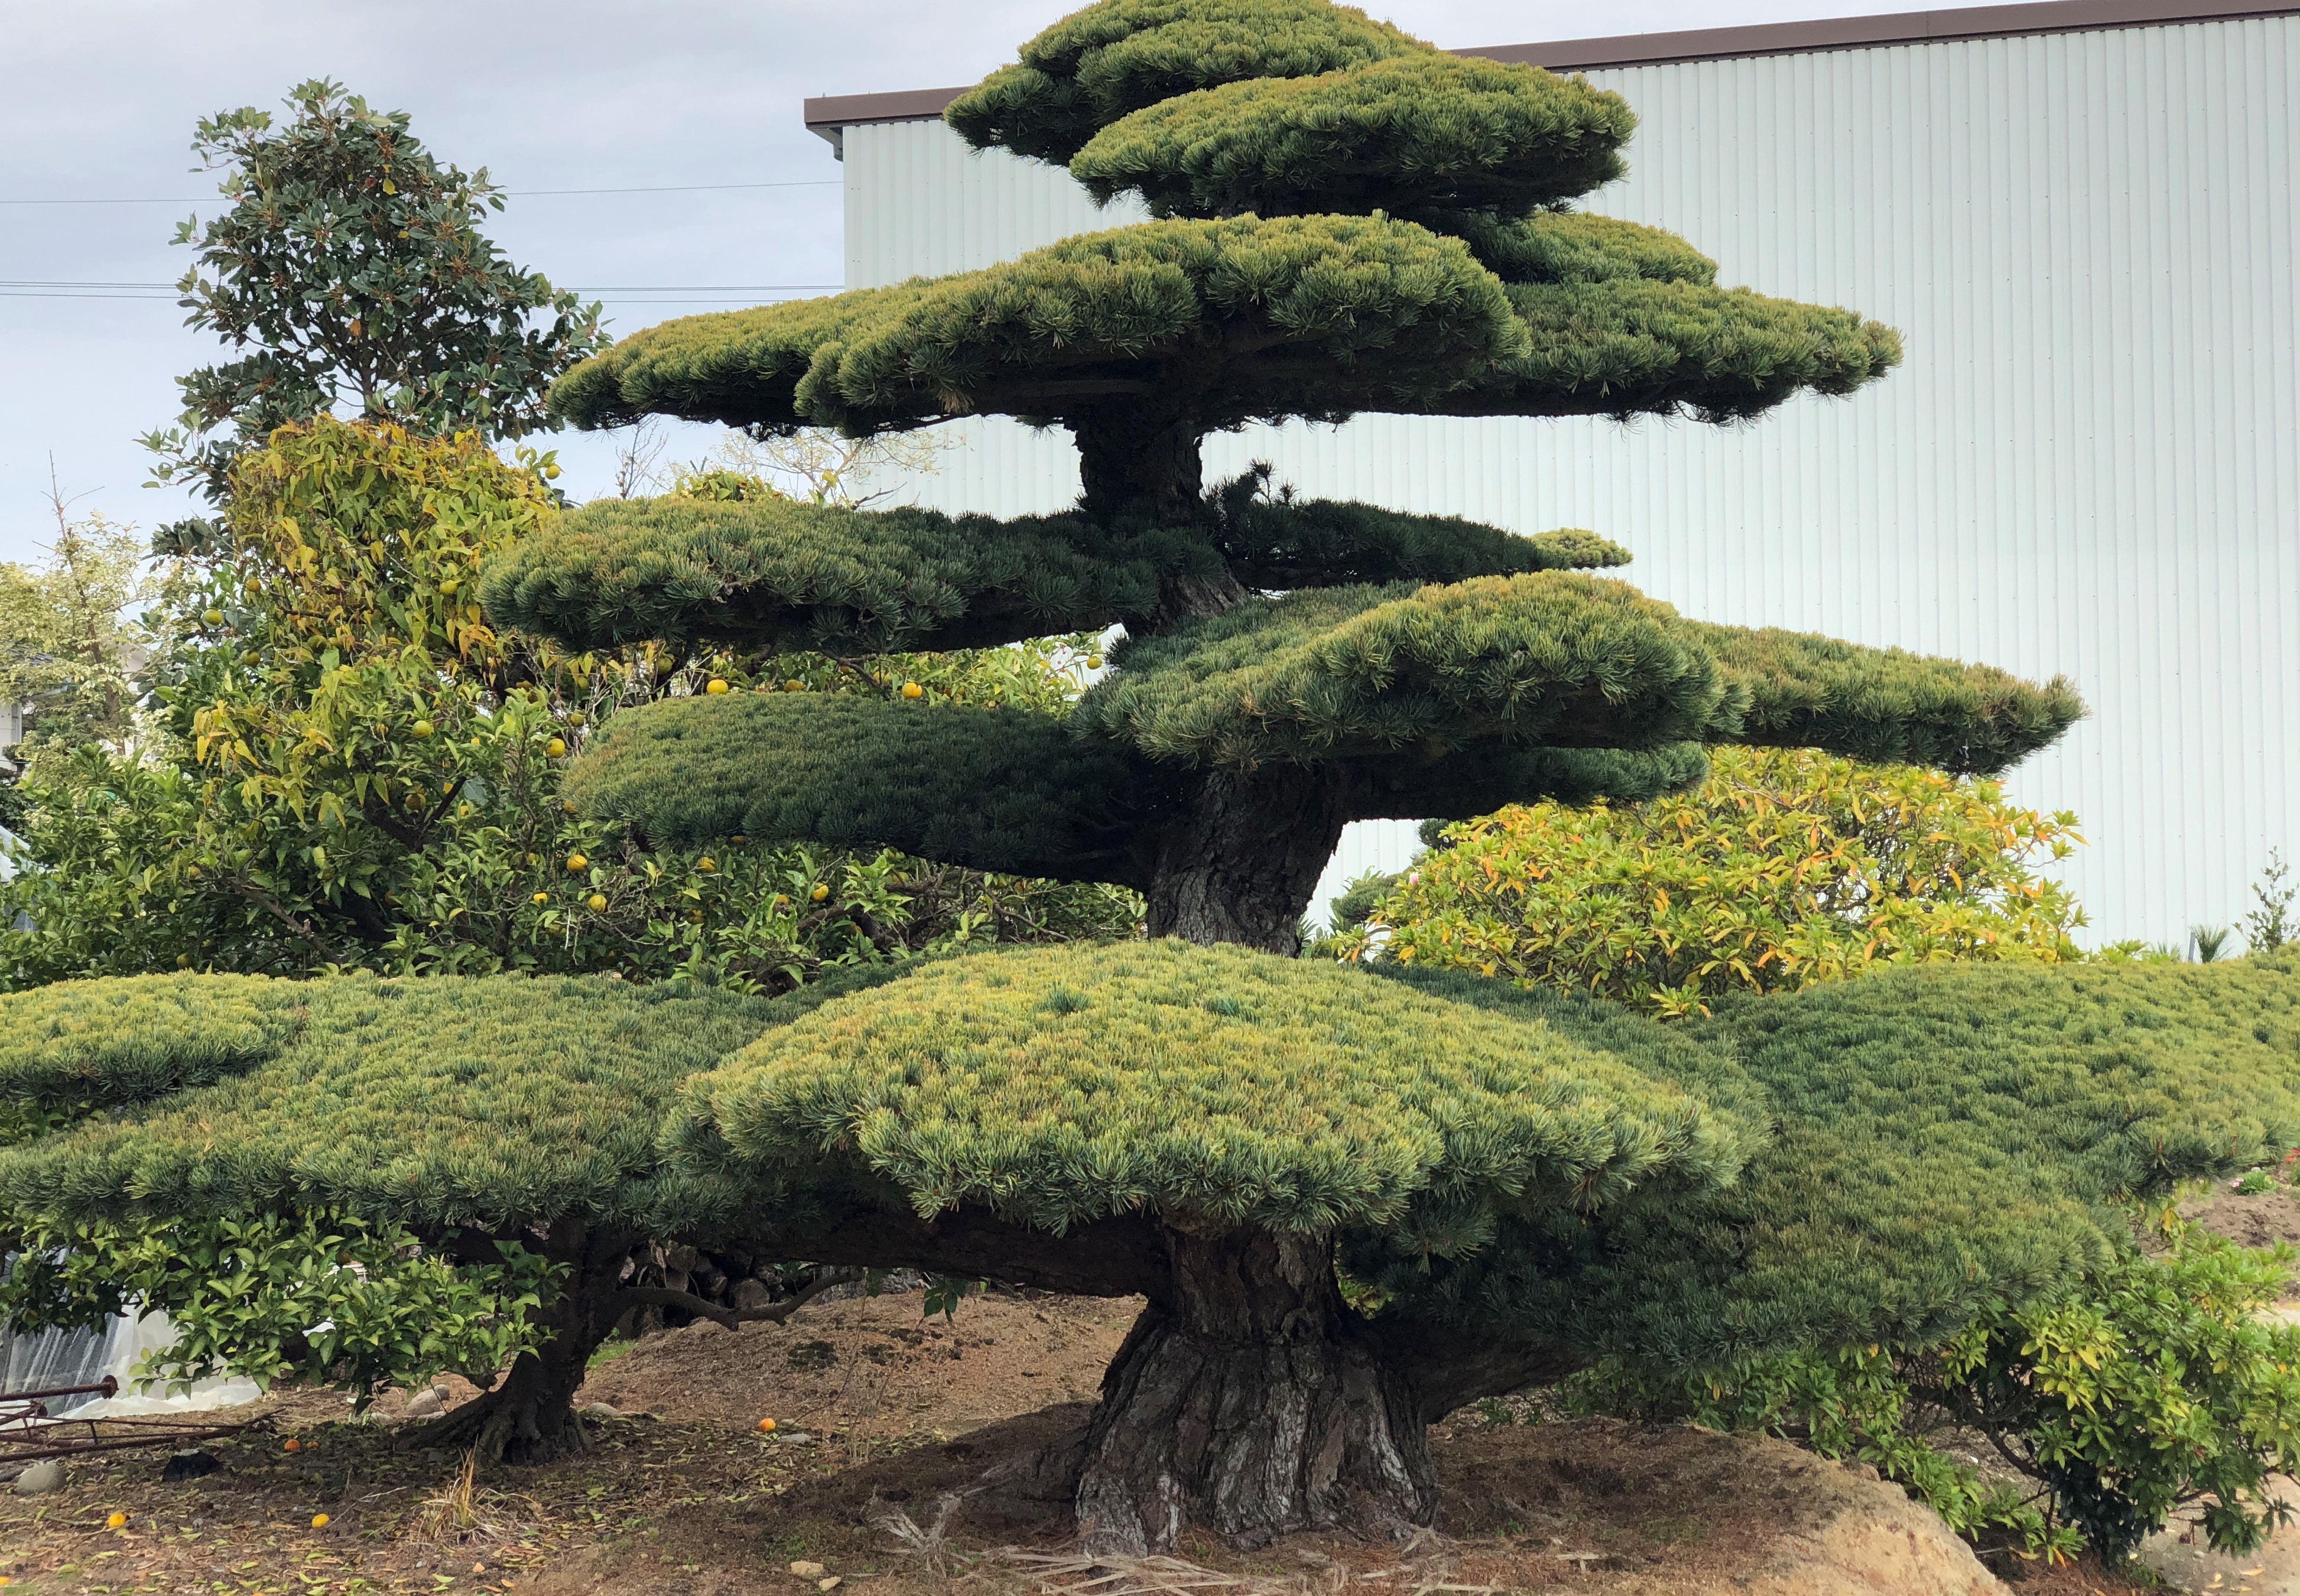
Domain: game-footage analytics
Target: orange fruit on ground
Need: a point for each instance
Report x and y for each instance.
(115, 1521)
(767, 1425)
(319, 1521)
(294, 1445)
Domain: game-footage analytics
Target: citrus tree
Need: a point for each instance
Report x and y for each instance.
(1784, 869)
(366, 774)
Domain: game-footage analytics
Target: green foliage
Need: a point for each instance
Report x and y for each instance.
(351, 262)
(326, 1297)
(1947, 1139)
(68, 648)
(1553, 658)
(1271, 540)
(996, 788)
(100, 1043)
(1388, 313)
(1626, 346)
(781, 574)
(2267, 925)
(1413, 132)
(1058, 1086)
(1118, 56)
(1784, 869)
(369, 774)
(1573, 247)
(2152, 1383)
(1885, 705)
(494, 1101)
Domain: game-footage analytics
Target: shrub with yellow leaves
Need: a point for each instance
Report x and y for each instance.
(1785, 869)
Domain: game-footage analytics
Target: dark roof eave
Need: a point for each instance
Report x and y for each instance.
(830, 114)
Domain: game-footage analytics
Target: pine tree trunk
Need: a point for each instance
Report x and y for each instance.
(1251, 1404)
(1140, 456)
(528, 1416)
(1239, 863)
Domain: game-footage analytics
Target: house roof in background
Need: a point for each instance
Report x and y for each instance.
(830, 114)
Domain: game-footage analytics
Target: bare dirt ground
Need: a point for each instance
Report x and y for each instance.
(881, 1413)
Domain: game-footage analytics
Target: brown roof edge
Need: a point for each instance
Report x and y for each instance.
(830, 113)
(1853, 33)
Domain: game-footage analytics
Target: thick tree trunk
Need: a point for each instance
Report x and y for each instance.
(528, 1416)
(1251, 1402)
(1138, 457)
(1240, 861)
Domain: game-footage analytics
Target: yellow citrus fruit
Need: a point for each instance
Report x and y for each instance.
(214, 617)
(183, 961)
(767, 1425)
(717, 687)
(319, 1521)
(820, 893)
(568, 804)
(781, 901)
(576, 861)
(912, 690)
(706, 863)
(598, 901)
(449, 585)
(421, 728)
(794, 685)
(116, 1520)
(551, 472)
(577, 718)
(543, 897)
(1094, 662)
(556, 747)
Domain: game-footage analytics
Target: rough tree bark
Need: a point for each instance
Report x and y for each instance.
(1239, 862)
(529, 1414)
(1250, 1400)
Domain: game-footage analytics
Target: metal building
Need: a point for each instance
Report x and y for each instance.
(2079, 215)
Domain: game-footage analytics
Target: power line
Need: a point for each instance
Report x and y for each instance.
(507, 193)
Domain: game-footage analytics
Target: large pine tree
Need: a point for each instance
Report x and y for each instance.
(1349, 221)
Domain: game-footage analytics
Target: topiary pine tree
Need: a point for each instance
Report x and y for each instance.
(1353, 1201)
(1347, 221)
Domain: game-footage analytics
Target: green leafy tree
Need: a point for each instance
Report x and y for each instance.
(1348, 220)
(71, 652)
(1784, 869)
(350, 267)
(364, 774)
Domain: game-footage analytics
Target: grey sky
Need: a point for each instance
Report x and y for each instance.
(98, 98)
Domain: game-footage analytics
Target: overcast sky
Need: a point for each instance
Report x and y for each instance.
(98, 99)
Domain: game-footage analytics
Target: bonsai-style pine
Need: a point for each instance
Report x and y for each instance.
(1347, 221)
(1353, 1201)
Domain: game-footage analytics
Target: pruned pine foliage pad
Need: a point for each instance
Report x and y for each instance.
(1406, 134)
(993, 788)
(1110, 59)
(1209, 1086)
(1945, 1138)
(129, 1040)
(430, 1102)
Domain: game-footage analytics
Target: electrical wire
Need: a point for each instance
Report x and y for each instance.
(507, 193)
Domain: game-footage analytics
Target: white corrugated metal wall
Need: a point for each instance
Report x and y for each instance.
(2090, 463)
